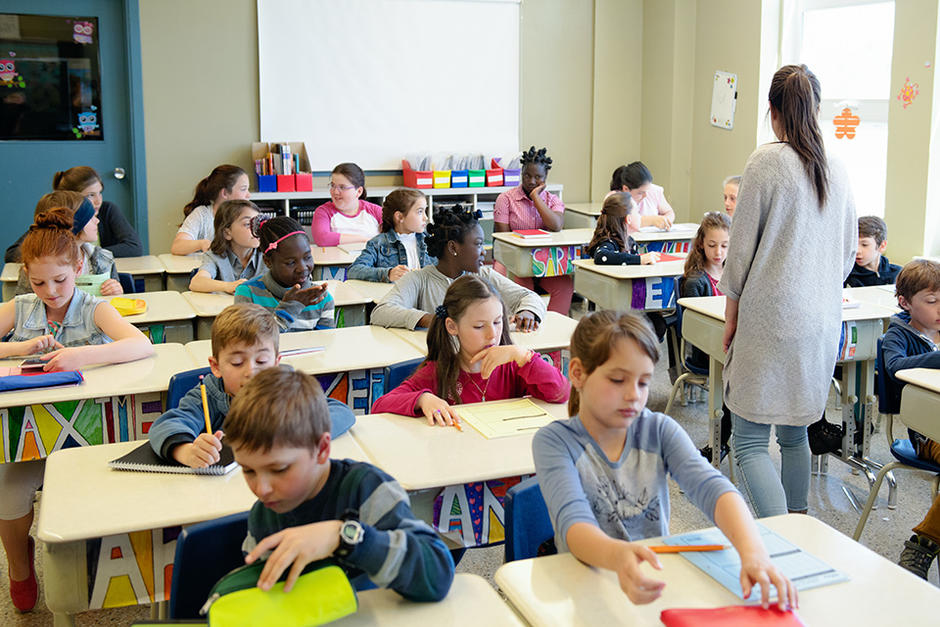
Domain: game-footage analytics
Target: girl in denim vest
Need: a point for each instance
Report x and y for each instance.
(70, 329)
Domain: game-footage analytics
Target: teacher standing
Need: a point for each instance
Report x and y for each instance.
(793, 243)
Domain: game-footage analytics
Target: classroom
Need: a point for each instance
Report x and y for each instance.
(677, 95)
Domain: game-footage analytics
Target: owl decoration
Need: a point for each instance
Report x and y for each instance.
(7, 70)
(81, 32)
(88, 121)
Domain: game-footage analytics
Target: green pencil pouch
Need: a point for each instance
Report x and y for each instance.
(320, 595)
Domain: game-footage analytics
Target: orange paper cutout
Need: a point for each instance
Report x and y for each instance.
(845, 124)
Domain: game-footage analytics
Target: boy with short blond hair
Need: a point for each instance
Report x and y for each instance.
(913, 341)
(244, 341)
(871, 266)
(312, 507)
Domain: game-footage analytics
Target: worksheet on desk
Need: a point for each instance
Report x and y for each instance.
(804, 570)
(500, 419)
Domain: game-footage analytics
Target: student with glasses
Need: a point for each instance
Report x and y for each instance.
(347, 217)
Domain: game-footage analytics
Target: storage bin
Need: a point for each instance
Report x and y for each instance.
(267, 183)
(417, 179)
(458, 178)
(285, 182)
(494, 177)
(512, 178)
(441, 179)
(303, 182)
(476, 178)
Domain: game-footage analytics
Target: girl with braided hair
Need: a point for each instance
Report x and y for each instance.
(456, 240)
(286, 288)
(529, 206)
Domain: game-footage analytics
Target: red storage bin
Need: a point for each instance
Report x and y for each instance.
(417, 179)
(494, 177)
(303, 182)
(285, 182)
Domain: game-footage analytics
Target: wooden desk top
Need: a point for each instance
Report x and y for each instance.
(84, 498)
(663, 268)
(559, 590)
(564, 237)
(554, 333)
(352, 348)
(420, 456)
(147, 264)
(151, 374)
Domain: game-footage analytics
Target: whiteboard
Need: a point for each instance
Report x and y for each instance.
(370, 81)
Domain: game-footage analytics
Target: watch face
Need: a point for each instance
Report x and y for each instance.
(351, 532)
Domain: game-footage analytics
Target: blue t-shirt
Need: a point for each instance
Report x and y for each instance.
(628, 498)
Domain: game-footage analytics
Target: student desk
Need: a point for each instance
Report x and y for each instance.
(330, 262)
(147, 267)
(471, 602)
(425, 459)
(350, 369)
(544, 257)
(373, 290)
(553, 334)
(648, 288)
(675, 240)
(560, 590)
(115, 403)
(881, 295)
(179, 269)
(169, 317)
(703, 323)
(122, 526)
(350, 307)
(582, 215)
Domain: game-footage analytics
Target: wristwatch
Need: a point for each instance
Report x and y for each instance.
(351, 534)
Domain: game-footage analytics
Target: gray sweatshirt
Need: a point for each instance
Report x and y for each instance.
(419, 292)
(787, 260)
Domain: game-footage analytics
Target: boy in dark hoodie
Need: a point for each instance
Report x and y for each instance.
(871, 266)
(244, 342)
(911, 341)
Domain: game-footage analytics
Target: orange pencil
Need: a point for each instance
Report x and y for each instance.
(205, 405)
(457, 424)
(686, 548)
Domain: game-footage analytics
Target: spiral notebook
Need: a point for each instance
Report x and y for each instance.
(143, 459)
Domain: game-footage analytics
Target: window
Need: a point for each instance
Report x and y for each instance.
(848, 45)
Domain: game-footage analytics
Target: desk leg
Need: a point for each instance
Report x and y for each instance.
(715, 403)
(65, 580)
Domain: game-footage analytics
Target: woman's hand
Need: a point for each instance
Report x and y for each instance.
(111, 287)
(535, 192)
(437, 411)
(649, 259)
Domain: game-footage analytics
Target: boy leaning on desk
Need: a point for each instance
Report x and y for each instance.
(311, 507)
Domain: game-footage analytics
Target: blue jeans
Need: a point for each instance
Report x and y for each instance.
(769, 494)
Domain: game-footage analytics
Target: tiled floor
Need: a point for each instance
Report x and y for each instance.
(885, 533)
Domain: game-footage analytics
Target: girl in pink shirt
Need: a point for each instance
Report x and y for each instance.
(481, 365)
(529, 206)
(347, 218)
(653, 208)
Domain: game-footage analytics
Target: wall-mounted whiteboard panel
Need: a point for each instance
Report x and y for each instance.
(372, 80)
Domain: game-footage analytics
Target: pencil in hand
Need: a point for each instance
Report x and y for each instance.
(205, 405)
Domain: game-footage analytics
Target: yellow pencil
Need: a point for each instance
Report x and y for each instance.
(686, 548)
(205, 406)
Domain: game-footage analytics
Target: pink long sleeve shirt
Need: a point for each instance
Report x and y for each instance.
(536, 378)
(322, 231)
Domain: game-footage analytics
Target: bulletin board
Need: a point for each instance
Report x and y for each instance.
(372, 80)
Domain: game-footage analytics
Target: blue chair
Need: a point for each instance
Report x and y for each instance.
(183, 382)
(889, 404)
(527, 522)
(396, 373)
(204, 553)
(127, 283)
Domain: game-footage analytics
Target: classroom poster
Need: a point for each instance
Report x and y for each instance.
(472, 513)
(554, 260)
(131, 568)
(34, 431)
(654, 293)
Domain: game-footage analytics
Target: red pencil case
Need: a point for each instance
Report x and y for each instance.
(730, 616)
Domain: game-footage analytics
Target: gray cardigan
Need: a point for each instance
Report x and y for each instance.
(419, 292)
(787, 260)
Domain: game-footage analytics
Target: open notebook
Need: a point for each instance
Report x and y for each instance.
(143, 459)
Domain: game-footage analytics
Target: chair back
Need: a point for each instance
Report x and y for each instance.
(205, 552)
(396, 373)
(127, 283)
(181, 383)
(886, 386)
(528, 524)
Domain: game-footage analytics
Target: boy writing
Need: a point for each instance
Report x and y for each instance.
(871, 266)
(912, 341)
(244, 341)
(311, 507)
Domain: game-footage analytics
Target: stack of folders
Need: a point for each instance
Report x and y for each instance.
(144, 459)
